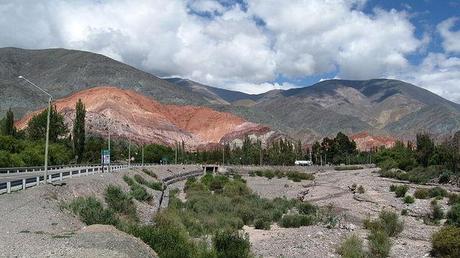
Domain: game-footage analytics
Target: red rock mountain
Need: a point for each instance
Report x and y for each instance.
(365, 141)
(142, 119)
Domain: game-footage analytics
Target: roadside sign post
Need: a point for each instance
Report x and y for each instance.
(105, 158)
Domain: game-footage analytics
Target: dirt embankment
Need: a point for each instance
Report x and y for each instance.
(35, 224)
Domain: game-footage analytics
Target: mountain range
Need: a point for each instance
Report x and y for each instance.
(378, 106)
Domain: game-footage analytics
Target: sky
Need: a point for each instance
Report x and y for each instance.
(254, 45)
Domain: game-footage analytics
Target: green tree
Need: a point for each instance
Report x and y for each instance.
(425, 149)
(36, 128)
(8, 124)
(79, 130)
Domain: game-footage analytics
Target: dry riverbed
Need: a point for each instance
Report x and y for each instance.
(332, 187)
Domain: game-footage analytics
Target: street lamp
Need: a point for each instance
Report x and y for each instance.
(47, 123)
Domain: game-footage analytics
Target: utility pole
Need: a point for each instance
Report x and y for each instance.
(129, 153)
(50, 99)
(142, 155)
(176, 154)
(261, 157)
(223, 154)
(108, 146)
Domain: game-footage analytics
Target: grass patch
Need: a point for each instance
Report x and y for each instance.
(150, 173)
(453, 198)
(399, 190)
(379, 244)
(409, 199)
(349, 167)
(91, 211)
(446, 242)
(295, 176)
(418, 175)
(120, 202)
(158, 186)
(436, 214)
(296, 220)
(422, 193)
(352, 247)
(453, 215)
(387, 222)
(139, 193)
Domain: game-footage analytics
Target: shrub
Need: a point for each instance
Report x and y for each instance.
(390, 222)
(128, 180)
(252, 174)
(168, 237)
(444, 178)
(392, 188)
(299, 176)
(436, 211)
(279, 173)
(409, 199)
(361, 189)
(307, 208)
(262, 222)
(120, 202)
(231, 244)
(401, 190)
(91, 211)
(387, 222)
(453, 215)
(379, 244)
(349, 167)
(259, 173)
(139, 193)
(158, 186)
(217, 183)
(140, 179)
(446, 242)
(269, 174)
(437, 192)
(296, 220)
(453, 198)
(150, 173)
(352, 247)
(421, 193)
(404, 212)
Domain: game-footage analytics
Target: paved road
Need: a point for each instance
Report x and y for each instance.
(17, 176)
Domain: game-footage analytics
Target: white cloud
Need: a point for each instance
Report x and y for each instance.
(438, 73)
(451, 39)
(257, 88)
(234, 47)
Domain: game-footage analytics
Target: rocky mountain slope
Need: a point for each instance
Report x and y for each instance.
(380, 106)
(130, 115)
(62, 72)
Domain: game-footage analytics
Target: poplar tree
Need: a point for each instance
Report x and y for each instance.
(79, 130)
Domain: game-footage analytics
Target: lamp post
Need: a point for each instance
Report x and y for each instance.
(47, 123)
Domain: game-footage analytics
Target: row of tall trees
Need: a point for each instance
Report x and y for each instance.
(26, 147)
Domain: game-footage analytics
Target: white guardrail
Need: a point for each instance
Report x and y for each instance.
(23, 178)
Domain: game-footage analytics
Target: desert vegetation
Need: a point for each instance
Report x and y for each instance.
(216, 207)
(292, 175)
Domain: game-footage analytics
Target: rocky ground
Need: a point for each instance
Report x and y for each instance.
(332, 187)
(36, 216)
(35, 224)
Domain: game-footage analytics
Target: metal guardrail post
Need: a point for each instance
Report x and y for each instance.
(8, 187)
(23, 184)
(60, 176)
(38, 180)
